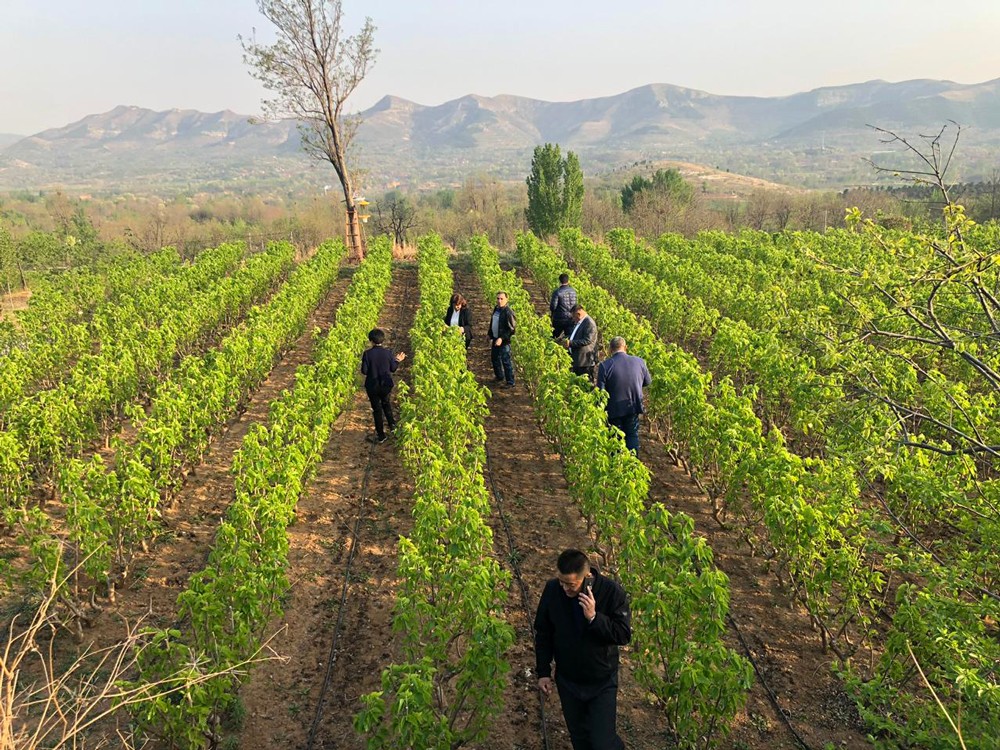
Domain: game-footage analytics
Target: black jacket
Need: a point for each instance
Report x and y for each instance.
(585, 653)
(507, 324)
(463, 320)
(377, 363)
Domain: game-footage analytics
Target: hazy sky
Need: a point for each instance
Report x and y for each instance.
(63, 59)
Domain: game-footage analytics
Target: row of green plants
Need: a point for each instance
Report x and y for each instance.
(41, 343)
(111, 515)
(902, 320)
(108, 516)
(776, 289)
(792, 281)
(925, 478)
(448, 684)
(144, 338)
(920, 488)
(927, 482)
(807, 506)
(679, 598)
(789, 391)
(224, 613)
(907, 387)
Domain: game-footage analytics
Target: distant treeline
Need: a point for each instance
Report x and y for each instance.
(981, 199)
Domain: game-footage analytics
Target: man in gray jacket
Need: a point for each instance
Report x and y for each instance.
(582, 343)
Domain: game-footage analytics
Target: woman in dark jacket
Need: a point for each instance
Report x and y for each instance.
(458, 315)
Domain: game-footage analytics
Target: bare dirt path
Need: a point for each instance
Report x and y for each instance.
(787, 652)
(281, 698)
(532, 500)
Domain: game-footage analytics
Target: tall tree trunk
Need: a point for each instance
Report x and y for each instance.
(355, 242)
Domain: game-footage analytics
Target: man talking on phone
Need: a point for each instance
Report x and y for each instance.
(582, 619)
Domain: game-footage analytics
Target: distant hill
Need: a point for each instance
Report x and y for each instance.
(816, 138)
(8, 138)
(136, 148)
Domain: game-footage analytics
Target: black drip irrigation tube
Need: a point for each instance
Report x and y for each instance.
(770, 693)
(515, 565)
(760, 675)
(332, 656)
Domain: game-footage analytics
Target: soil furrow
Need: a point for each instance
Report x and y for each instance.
(543, 520)
(281, 697)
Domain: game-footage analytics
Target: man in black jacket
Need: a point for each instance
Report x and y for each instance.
(502, 326)
(377, 365)
(582, 619)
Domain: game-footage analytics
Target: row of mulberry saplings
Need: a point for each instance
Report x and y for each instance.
(449, 684)
(224, 613)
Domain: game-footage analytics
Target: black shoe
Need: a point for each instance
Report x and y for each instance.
(498, 380)
(508, 385)
(379, 441)
(376, 438)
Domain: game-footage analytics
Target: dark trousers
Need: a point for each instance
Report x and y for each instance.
(562, 328)
(381, 407)
(503, 368)
(591, 712)
(589, 372)
(629, 424)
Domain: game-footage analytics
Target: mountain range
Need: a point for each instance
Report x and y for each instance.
(818, 138)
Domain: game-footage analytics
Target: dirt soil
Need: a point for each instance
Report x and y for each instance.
(361, 485)
(14, 302)
(787, 652)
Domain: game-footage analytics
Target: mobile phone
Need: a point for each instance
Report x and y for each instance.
(587, 585)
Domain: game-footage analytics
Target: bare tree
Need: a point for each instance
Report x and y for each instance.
(759, 207)
(733, 216)
(601, 213)
(933, 158)
(486, 205)
(782, 211)
(312, 70)
(394, 215)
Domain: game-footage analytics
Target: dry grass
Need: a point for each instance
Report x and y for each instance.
(46, 705)
(12, 302)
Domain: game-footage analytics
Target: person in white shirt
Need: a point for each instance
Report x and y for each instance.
(458, 317)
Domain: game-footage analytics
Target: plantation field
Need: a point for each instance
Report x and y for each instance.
(810, 533)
